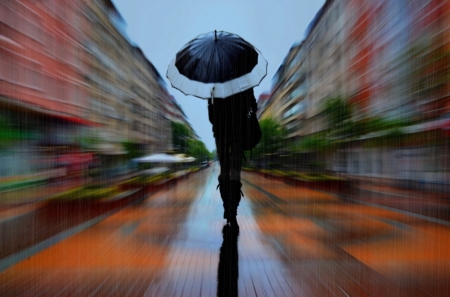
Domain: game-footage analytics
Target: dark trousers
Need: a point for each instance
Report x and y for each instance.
(230, 155)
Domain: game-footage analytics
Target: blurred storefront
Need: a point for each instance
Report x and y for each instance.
(417, 156)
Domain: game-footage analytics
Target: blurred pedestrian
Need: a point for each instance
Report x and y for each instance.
(229, 118)
(223, 68)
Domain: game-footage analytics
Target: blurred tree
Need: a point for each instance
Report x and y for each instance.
(273, 136)
(198, 150)
(89, 139)
(338, 111)
(133, 149)
(10, 134)
(317, 143)
(374, 124)
(180, 136)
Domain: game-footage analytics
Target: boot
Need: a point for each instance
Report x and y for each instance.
(224, 187)
(235, 199)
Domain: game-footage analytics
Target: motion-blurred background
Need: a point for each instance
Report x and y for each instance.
(364, 95)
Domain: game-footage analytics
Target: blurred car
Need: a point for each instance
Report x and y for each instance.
(204, 164)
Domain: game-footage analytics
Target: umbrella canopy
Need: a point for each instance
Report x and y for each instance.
(217, 64)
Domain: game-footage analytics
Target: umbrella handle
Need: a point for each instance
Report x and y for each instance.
(212, 95)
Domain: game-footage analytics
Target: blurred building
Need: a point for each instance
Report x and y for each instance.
(398, 71)
(70, 79)
(150, 123)
(312, 71)
(43, 96)
(108, 71)
(175, 113)
(262, 102)
(284, 85)
(42, 59)
(390, 61)
(125, 90)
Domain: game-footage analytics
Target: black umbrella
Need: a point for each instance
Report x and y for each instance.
(216, 64)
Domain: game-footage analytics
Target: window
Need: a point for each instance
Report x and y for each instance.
(296, 109)
(293, 126)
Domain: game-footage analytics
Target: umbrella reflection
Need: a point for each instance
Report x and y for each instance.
(228, 272)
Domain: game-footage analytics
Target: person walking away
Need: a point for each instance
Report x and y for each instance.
(228, 117)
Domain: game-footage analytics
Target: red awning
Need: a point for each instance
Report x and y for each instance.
(79, 121)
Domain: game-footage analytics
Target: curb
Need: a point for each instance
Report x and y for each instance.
(332, 186)
(130, 195)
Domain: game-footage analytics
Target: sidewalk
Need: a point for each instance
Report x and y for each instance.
(403, 192)
(21, 201)
(20, 196)
(291, 241)
(434, 205)
(399, 187)
(30, 221)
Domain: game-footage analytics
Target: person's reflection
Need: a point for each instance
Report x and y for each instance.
(228, 273)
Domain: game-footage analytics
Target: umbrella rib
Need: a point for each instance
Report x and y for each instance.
(232, 56)
(219, 72)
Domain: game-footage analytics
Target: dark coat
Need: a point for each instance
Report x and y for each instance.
(228, 115)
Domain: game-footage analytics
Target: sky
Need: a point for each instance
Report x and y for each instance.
(162, 27)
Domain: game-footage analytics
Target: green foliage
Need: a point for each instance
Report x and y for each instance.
(272, 139)
(180, 136)
(337, 110)
(87, 193)
(214, 154)
(313, 176)
(140, 181)
(21, 183)
(155, 178)
(393, 137)
(341, 125)
(9, 134)
(317, 142)
(134, 150)
(379, 124)
(198, 150)
(89, 140)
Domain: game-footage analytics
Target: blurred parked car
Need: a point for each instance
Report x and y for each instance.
(204, 164)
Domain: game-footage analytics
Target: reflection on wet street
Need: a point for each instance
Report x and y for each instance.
(290, 241)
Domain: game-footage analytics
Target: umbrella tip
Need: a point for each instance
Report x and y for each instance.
(215, 35)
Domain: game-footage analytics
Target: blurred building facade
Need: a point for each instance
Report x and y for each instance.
(126, 91)
(263, 100)
(70, 80)
(43, 95)
(42, 56)
(389, 61)
(175, 113)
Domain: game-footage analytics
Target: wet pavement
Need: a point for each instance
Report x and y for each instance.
(291, 241)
